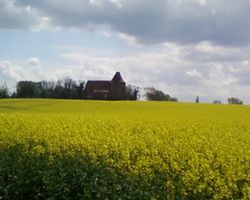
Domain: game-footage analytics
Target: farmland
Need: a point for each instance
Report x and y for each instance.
(58, 149)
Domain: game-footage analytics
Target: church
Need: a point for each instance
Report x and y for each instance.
(114, 89)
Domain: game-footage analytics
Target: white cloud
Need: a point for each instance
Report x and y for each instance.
(100, 3)
(128, 38)
(194, 73)
(33, 61)
(10, 71)
(118, 3)
(31, 69)
(45, 23)
(171, 70)
(95, 2)
(202, 2)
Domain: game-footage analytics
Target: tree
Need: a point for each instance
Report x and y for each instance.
(234, 100)
(153, 94)
(27, 89)
(217, 102)
(132, 92)
(66, 88)
(46, 89)
(197, 100)
(70, 88)
(4, 92)
(80, 90)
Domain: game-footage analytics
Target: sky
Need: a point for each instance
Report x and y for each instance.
(186, 48)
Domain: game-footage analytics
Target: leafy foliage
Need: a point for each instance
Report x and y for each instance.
(197, 100)
(57, 149)
(62, 89)
(4, 93)
(234, 100)
(153, 94)
(66, 88)
(217, 101)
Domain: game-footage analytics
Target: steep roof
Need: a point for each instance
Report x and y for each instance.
(118, 78)
(101, 85)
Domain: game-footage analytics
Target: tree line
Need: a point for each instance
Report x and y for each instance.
(66, 88)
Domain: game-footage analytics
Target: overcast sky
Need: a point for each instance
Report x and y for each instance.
(186, 48)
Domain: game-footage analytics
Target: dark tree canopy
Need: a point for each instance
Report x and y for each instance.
(62, 89)
(66, 88)
(153, 94)
(132, 92)
(234, 100)
(27, 89)
(197, 100)
(4, 92)
(217, 101)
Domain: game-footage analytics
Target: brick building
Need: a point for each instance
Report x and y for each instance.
(114, 89)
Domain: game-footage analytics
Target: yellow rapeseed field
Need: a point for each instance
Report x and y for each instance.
(73, 149)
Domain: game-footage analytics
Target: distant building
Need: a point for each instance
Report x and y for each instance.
(106, 90)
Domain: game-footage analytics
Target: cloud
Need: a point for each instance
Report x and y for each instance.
(171, 70)
(223, 22)
(206, 52)
(129, 39)
(194, 73)
(33, 61)
(10, 72)
(203, 69)
(117, 3)
(13, 16)
(30, 69)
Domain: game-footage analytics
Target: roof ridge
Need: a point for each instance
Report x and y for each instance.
(118, 78)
